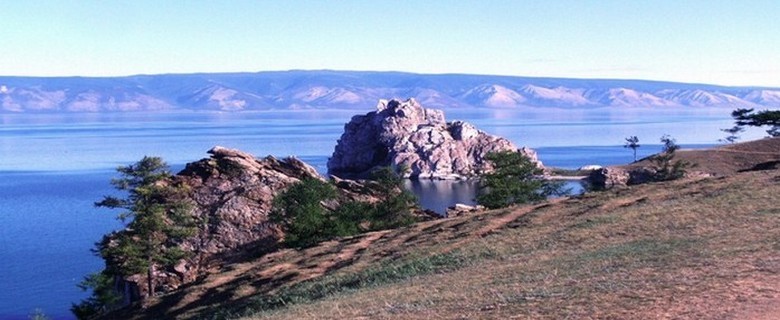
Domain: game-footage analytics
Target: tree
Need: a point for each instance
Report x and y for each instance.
(732, 137)
(633, 143)
(159, 220)
(748, 117)
(298, 211)
(665, 166)
(515, 180)
(394, 210)
(104, 296)
(302, 212)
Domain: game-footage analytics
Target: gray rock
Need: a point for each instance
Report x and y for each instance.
(404, 134)
(460, 209)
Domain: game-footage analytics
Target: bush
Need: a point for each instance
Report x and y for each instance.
(302, 216)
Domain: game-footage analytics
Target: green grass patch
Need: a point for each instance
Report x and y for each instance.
(768, 211)
(312, 290)
(643, 251)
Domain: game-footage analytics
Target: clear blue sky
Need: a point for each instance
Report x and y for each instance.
(720, 42)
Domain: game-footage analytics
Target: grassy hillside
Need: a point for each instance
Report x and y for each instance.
(691, 249)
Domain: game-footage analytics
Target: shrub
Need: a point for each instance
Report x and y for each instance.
(300, 212)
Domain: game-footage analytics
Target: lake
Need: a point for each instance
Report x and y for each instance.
(54, 167)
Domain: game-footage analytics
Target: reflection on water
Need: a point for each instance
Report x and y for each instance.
(437, 195)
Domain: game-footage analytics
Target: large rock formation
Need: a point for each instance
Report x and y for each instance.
(231, 195)
(406, 134)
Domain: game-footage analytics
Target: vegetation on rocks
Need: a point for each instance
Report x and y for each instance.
(301, 211)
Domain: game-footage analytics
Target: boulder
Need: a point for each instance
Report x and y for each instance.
(460, 209)
(609, 177)
(404, 134)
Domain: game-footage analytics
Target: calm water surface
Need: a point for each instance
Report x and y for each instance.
(53, 168)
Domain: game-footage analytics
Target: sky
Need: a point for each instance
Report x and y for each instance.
(715, 42)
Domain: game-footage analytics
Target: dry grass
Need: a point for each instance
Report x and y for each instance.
(728, 159)
(693, 249)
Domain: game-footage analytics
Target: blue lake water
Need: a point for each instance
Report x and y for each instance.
(53, 167)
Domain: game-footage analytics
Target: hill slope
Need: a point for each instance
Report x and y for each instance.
(728, 159)
(350, 89)
(690, 249)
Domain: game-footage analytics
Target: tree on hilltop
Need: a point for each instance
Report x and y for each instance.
(749, 117)
(632, 142)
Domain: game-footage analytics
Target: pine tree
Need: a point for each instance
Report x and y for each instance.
(159, 220)
(747, 117)
(515, 180)
(633, 143)
(666, 167)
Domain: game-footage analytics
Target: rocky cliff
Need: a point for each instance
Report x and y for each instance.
(231, 194)
(403, 133)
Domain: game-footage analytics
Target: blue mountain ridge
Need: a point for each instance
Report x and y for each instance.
(328, 89)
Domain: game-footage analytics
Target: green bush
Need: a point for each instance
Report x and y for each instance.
(305, 221)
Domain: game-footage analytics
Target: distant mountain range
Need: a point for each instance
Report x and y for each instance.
(359, 90)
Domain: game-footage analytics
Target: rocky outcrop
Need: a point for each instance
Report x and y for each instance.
(231, 195)
(609, 177)
(404, 134)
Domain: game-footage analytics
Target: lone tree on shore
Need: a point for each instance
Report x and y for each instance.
(749, 117)
(633, 143)
(159, 220)
(666, 167)
(515, 180)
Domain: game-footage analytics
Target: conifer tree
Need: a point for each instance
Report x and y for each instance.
(157, 217)
(749, 117)
(632, 142)
(515, 180)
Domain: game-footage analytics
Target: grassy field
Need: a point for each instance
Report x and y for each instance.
(689, 249)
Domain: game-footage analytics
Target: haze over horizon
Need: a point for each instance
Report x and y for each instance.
(723, 43)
